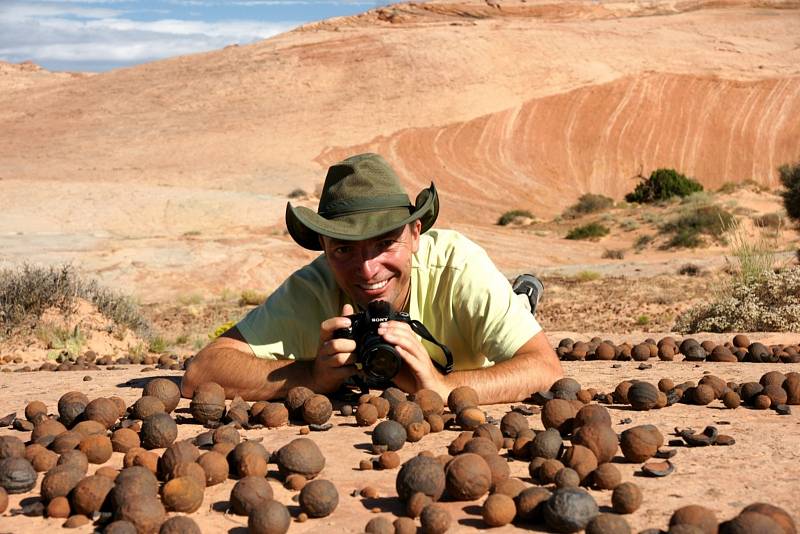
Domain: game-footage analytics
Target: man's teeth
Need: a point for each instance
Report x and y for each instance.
(377, 285)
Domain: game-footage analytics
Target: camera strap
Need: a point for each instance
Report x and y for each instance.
(424, 333)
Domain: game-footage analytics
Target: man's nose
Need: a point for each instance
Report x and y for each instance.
(369, 263)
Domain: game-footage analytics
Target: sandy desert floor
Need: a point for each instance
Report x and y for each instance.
(760, 466)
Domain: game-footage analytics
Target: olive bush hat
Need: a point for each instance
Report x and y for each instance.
(362, 198)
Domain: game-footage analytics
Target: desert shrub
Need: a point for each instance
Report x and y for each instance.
(773, 221)
(591, 231)
(642, 241)
(629, 225)
(157, 344)
(60, 338)
(771, 304)
(512, 216)
(588, 276)
(642, 320)
(691, 223)
(755, 256)
(728, 187)
(663, 184)
(614, 254)
(588, 203)
(690, 269)
(790, 178)
(26, 292)
(251, 297)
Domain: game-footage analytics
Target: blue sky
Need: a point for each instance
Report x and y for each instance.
(98, 35)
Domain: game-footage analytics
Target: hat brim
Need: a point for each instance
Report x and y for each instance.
(306, 226)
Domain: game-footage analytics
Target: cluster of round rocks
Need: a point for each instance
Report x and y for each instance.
(573, 452)
(775, 390)
(739, 349)
(90, 361)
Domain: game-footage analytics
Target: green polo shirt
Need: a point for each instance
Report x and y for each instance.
(456, 292)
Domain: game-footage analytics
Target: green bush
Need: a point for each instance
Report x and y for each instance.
(663, 184)
(773, 221)
(591, 231)
(769, 304)
(588, 203)
(511, 216)
(642, 241)
(691, 223)
(614, 254)
(790, 178)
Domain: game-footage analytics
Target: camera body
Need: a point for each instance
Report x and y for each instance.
(378, 359)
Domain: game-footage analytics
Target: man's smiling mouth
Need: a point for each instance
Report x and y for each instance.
(375, 286)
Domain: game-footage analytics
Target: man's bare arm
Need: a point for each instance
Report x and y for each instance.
(534, 367)
(230, 362)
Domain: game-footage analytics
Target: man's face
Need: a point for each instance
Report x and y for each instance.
(377, 268)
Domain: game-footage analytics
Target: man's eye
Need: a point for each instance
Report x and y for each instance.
(343, 251)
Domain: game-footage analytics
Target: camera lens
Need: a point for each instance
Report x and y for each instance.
(381, 360)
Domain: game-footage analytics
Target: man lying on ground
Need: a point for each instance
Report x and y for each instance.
(377, 246)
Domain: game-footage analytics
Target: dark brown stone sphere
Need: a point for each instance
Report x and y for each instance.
(71, 405)
(66, 441)
(89, 428)
(498, 510)
(179, 524)
(177, 453)
(779, 515)
(696, 515)
(558, 414)
(98, 449)
(301, 456)
(581, 459)
(270, 517)
(208, 403)
(58, 508)
(626, 498)
(165, 390)
(249, 493)
(17, 475)
(621, 392)
(512, 424)
(567, 478)
(58, 482)
(435, 421)
(462, 397)
(390, 435)
(592, 413)
(547, 444)
(467, 477)
(643, 396)
(389, 460)
(3, 500)
(569, 510)
(499, 469)
(124, 439)
(751, 523)
(600, 438)
(731, 400)
(382, 405)
(565, 388)
(666, 385)
(640, 443)
(420, 475)
(511, 486)
(761, 402)
(435, 519)
(777, 395)
(274, 415)
(317, 409)
(35, 411)
(482, 446)
(215, 467)
(319, 498)
(90, 494)
(792, 387)
(605, 351)
(608, 524)
(470, 418)
(530, 503)
(146, 513)
(295, 398)
(44, 460)
(133, 483)
(183, 494)
(11, 447)
(429, 401)
(606, 476)
(490, 432)
(158, 431)
(75, 459)
(702, 395)
(406, 412)
(147, 406)
(102, 410)
(46, 428)
(366, 414)
(641, 352)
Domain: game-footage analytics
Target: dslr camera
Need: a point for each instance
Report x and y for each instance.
(376, 358)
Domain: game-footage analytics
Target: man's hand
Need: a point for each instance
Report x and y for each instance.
(335, 361)
(418, 371)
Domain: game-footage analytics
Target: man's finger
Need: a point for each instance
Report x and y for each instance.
(347, 309)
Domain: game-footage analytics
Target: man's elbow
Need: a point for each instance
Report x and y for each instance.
(196, 373)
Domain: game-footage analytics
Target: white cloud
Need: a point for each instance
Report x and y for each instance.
(71, 37)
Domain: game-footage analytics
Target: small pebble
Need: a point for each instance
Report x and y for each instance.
(626, 421)
(365, 465)
(304, 430)
(87, 378)
(369, 492)
(783, 409)
(302, 517)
